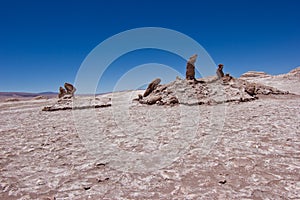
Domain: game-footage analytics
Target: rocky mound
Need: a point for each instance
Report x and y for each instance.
(288, 82)
(67, 100)
(295, 73)
(210, 90)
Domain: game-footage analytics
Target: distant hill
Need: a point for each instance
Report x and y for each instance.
(25, 94)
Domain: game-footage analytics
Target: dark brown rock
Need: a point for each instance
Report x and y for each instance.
(220, 72)
(227, 78)
(70, 89)
(62, 92)
(152, 86)
(190, 68)
(173, 100)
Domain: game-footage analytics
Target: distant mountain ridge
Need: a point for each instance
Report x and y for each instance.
(25, 94)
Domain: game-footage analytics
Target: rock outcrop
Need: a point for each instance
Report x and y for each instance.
(219, 71)
(67, 92)
(70, 89)
(285, 82)
(79, 103)
(62, 92)
(207, 91)
(254, 89)
(151, 87)
(190, 68)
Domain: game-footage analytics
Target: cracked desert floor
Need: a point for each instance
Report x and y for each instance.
(255, 154)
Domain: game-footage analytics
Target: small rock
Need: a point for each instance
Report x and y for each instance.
(99, 180)
(86, 187)
(173, 100)
(222, 181)
(100, 164)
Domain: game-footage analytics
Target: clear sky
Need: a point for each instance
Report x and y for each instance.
(43, 43)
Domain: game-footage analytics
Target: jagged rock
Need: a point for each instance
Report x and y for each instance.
(220, 72)
(190, 68)
(62, 92)
(152, 86)
(70, 89)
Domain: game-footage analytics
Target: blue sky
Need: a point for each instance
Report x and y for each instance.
(43, 43)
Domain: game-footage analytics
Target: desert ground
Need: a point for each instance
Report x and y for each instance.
(234, 150)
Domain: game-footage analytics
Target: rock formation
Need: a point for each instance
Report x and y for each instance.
(208, 91)
(70, 89)
(151, 87)
(68, 92)
(220, 72)
(62, 92)
(254, 89)
(190, 68)
(286, 82)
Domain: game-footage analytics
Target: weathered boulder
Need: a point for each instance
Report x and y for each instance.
(173, 100)
(153, 100)
(151, 87)
(70, 89)
(250, 89)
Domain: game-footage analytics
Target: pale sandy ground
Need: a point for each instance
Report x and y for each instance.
(255, 155)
